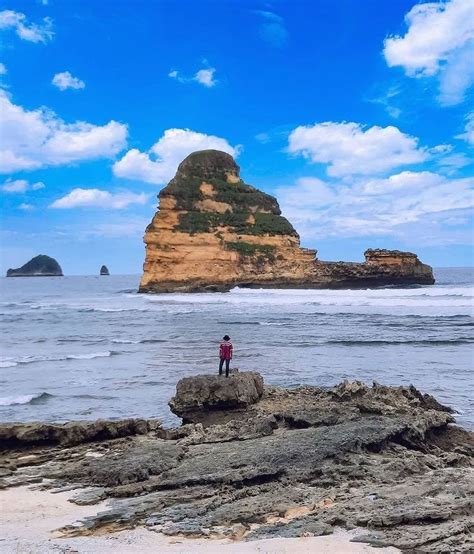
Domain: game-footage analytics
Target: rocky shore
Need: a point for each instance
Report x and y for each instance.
(255, 462)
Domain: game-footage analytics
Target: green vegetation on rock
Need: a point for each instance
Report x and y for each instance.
(237, 222)
(249, 249)
(244, 197)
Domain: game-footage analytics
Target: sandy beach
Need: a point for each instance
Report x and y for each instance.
(29, 519)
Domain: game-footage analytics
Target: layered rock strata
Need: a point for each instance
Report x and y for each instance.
(39, 266)
(386, 461)
(213, 232)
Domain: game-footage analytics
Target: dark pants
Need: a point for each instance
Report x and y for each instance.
(221, 363)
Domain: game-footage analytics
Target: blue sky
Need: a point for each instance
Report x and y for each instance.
(357, 115)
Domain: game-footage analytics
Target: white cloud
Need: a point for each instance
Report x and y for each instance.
(31, 32)
(96, 198)
(3, 69)
(206, 77)
(468, 134)
(349, 148)
(26, 207)
(272, 28)
(65, 80)
(158, 165)
(38, 138)
(21, 185)
(385, 206)
(439, 41)
(203, 76)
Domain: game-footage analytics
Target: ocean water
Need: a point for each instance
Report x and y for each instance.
(90, 347)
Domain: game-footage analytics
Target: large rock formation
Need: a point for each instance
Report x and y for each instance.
(213, 231)
(39, 266)
(384, 461)
(104, 270)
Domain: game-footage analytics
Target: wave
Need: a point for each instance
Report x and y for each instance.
(125, 341)
(32, 359)
(431, 342)
(8, 363)
(38, 398)
(91, 356)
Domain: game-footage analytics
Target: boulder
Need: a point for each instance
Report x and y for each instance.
(203, 393)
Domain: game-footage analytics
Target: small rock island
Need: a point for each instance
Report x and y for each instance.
(104, 270)
(39, 266)
(213, 232)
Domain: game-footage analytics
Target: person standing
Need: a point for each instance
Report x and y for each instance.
(225, 354)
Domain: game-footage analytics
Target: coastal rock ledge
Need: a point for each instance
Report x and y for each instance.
(385, 462)
(213, 232)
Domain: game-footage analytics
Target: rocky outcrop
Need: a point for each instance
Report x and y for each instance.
(75, 432)
(386, 461)
(213, 232)
(104, 270)
(39, 266)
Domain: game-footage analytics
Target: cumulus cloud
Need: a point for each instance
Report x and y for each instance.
(272, 28)
(378, 206)
(38, 138)
(159, 164)
(21, 185)
(439, 42)
(350, 149)
(468, 134)
(65, 80)
(96, 198)
(32, 32)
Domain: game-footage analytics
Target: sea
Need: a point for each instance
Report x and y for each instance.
(91, 347)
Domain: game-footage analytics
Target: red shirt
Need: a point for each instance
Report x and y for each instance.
(225, 350)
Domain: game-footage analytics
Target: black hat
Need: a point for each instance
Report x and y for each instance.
(226, 337)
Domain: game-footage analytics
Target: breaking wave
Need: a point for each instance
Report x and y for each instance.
(25, 399)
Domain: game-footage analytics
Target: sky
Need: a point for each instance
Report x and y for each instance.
(356, 115)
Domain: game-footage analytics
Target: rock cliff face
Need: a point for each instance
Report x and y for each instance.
(213, 232)
(39, 266)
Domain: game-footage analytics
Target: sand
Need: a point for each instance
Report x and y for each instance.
(29, 518)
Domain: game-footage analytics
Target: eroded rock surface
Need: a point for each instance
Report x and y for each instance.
(198, 397)
(213, 232)
(387, 460)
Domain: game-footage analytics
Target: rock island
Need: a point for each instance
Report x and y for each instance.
(213, 231)
(39, 266)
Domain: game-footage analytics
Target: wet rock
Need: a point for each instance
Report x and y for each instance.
(204, 393)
